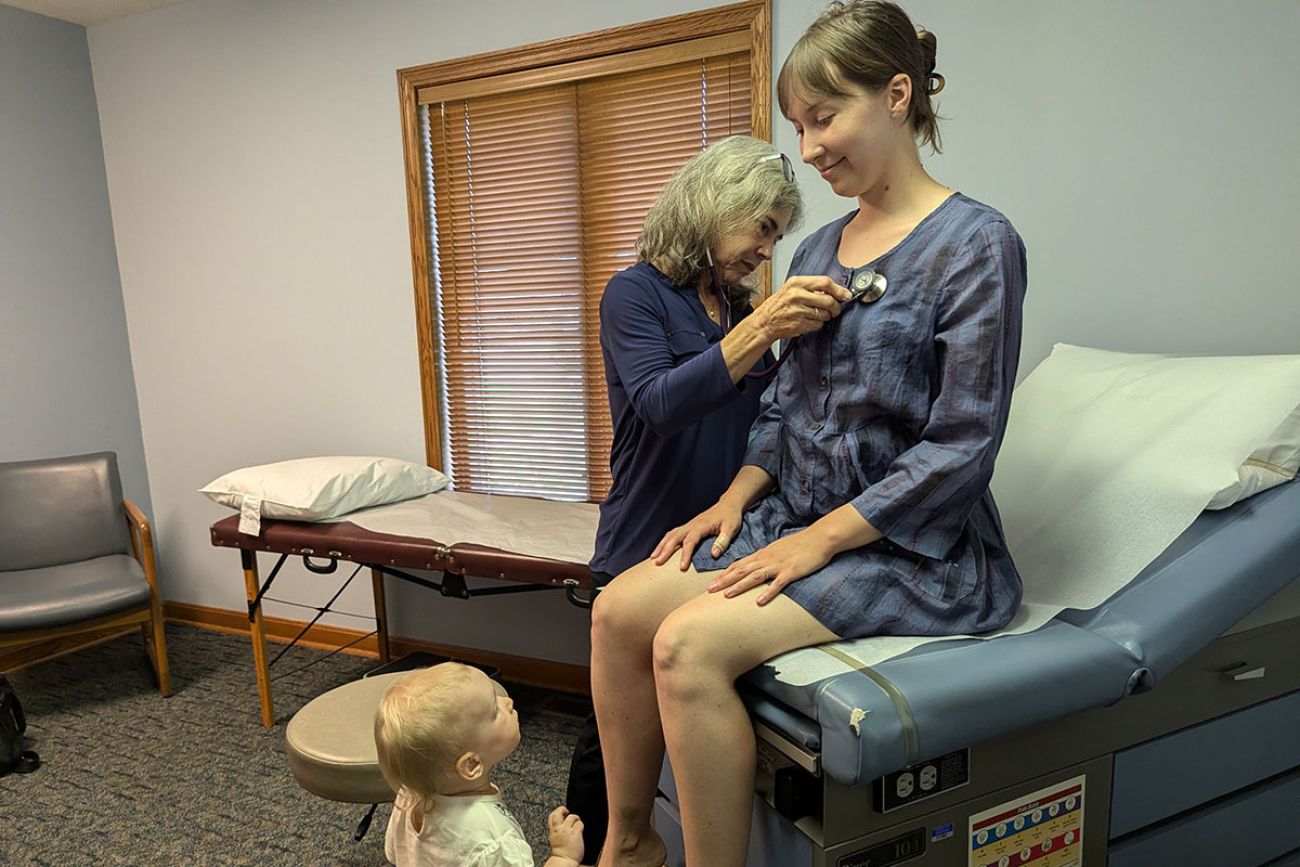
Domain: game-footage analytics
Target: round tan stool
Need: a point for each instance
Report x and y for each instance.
(331, 742)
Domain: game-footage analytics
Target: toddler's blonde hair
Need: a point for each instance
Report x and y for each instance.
(422, 728)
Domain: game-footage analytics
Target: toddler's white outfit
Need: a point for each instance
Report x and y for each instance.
(460, 831)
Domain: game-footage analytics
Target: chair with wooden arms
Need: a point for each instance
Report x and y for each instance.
(76, 559)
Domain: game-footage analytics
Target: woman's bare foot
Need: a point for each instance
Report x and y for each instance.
(647, 850)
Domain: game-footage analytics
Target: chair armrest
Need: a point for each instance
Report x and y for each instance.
(141, 542)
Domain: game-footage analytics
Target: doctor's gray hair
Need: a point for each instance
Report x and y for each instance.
(729, 186)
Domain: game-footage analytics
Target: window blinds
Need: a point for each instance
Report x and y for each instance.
(538, 195)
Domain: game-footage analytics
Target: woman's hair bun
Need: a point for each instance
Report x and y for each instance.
(929, 48)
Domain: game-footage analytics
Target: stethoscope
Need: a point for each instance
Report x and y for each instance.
(865, 285)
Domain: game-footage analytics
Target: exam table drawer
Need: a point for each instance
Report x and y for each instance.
(1243, 831)
(1170, 774)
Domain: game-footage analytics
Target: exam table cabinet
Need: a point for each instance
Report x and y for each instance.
(1221, 791)
(1202, 769)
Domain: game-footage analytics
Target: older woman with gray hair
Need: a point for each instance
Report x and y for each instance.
(679, 338)
(686, 361)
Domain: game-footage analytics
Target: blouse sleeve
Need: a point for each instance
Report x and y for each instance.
(634, 336)
(765, 434)
(928, 492)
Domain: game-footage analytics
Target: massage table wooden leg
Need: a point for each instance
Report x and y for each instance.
(258, 635)
(381, 615)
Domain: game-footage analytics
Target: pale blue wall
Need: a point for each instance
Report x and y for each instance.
(66, 384)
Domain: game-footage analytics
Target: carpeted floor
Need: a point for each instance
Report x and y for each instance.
(131, 778)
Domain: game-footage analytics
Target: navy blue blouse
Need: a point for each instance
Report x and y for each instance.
(680, 423)
(898, 408)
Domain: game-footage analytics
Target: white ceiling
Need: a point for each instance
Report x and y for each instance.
(87, 11)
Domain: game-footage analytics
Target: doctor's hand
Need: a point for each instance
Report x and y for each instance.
(722, 519)
(802, 305)
(782, 562)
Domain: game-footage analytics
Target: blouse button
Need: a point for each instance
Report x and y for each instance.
(805, 485)
(825, 382)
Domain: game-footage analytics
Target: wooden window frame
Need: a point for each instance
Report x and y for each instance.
(597, 53)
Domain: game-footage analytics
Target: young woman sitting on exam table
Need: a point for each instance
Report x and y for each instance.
(863, 505)
(684, 358)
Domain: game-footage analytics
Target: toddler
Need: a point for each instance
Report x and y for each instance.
(440, 731)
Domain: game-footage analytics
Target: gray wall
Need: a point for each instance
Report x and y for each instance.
(1144, 150)
(1148, 152)
(66, 385)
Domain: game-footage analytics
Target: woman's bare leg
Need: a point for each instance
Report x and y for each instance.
(699, 651)
(624, 620)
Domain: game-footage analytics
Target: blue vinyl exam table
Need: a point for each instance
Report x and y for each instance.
(1161, 728)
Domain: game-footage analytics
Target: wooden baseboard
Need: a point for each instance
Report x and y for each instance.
(278, 629)
(560, 676)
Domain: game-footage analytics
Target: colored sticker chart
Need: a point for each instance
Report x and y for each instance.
(1042, 829)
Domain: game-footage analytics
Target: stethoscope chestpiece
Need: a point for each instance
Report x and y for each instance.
(868, 286)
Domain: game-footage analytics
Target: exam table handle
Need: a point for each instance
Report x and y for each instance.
(1241, 671)
(575, 598)
(325, 568)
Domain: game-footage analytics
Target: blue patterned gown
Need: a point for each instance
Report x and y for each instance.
(899, 407)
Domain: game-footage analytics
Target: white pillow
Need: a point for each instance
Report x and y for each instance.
(314, 489)
(1274, 462)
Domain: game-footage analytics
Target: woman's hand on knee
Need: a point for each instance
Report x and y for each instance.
(782, 563)
(721, 520)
